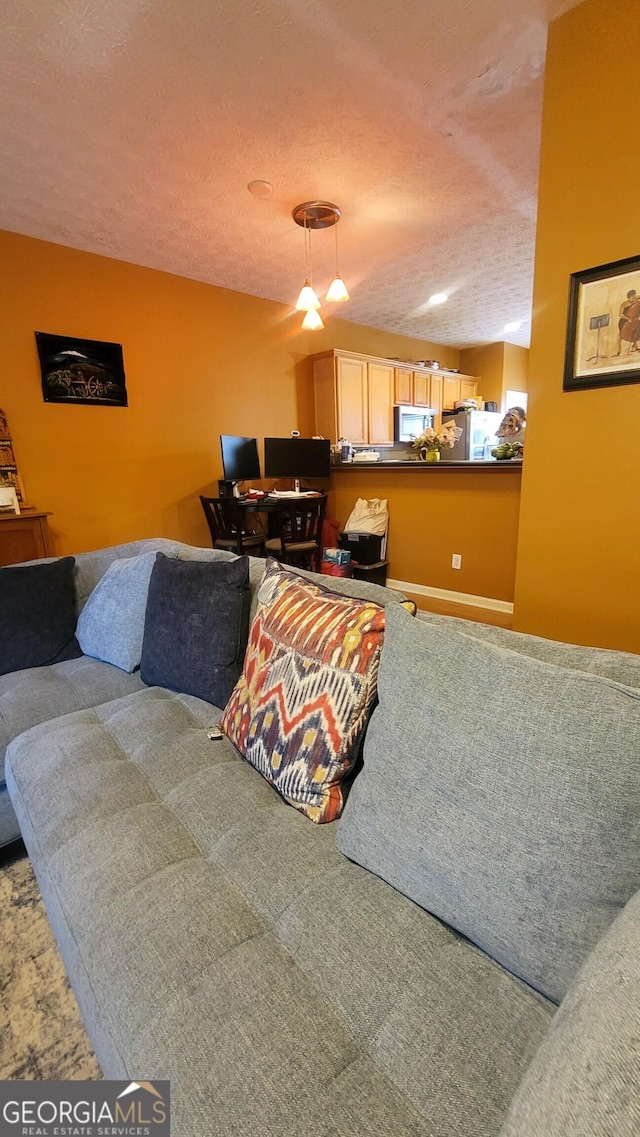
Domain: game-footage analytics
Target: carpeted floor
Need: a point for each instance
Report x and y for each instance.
(41, 1032)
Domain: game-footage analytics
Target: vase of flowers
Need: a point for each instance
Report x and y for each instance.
(431, 443)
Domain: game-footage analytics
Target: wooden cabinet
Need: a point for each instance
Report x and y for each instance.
(421, 389)
(436, 398)
(403, 386)
(23, 537)
(351, 389)
(458, 387)
(412, 388)
(380, 403)
(468, 387)
(354, 397)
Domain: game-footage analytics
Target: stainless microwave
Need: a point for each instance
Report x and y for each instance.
(409, 422)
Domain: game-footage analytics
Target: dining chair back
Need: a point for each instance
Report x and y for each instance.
(299, 528)
(227, 523)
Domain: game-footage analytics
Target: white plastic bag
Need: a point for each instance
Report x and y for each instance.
(370, 515)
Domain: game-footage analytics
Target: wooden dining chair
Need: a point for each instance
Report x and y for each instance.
(227, 525)
(299, 525)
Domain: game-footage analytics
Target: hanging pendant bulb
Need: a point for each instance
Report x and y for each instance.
(308, 299)
(312, 321)
(337, 290)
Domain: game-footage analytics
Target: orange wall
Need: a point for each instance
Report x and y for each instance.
(199, 361)
(434, 513)
(516, 368)
(579, 542)
(486, 361)
(501, 366)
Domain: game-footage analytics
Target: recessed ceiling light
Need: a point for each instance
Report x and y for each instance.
(513, 326)
(438, 298)
(260, 188)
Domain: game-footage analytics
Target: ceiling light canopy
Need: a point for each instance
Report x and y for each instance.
(317, 215)
(438, 298)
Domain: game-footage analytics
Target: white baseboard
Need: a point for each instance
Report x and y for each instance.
(452, 597)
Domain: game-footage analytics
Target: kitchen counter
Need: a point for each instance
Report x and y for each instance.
(436, 510)
(413, 465)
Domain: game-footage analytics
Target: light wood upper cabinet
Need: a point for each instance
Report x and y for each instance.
(351, 394)
(403, 386)
(355, 394)
(421, 385)
(381, 388)
(435, 394)
(468, 387)
(458, 387)
(450, 391)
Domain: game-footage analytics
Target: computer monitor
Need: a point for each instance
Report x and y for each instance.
(240, 461)
(297, 458)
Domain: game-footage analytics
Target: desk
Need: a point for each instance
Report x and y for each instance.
(24, 536)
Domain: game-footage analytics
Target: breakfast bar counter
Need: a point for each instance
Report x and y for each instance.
(436, 510)
(418, 465)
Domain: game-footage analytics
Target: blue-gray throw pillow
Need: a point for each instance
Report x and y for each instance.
(111, 624)
(196, 626)
(502, 794)
(37, 615)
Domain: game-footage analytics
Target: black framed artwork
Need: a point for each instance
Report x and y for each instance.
(81, 371)
(603, 327)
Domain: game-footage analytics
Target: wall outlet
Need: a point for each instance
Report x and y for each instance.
(456, 560)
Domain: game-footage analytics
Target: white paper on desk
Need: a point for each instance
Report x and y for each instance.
(292, 493)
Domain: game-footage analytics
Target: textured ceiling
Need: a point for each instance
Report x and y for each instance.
(132, 127)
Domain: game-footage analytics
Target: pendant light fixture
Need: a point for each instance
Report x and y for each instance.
(308, 299)
(317, 215)
(337, 290)
(312, 320)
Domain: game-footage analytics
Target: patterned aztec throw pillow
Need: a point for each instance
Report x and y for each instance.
(299, 709)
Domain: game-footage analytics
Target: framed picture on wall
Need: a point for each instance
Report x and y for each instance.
(603, 327)
(81, 371)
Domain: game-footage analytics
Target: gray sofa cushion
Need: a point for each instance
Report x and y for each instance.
(196, 626)
(111, 624)
(502, 794)
(584, 1078)
(214, 937)
(621, 666)
(40, 693)
(37, 615)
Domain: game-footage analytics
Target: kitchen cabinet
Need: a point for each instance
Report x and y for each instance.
(456, 387)
(421, 389)
(403, 386)
(351, 401)
(380, 403)
(436, 398)
(354, 394)
(354, 397)
(412, 388)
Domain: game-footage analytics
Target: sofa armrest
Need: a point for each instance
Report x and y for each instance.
(583, 1080)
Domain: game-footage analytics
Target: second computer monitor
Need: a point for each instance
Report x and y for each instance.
(297, 458)
(240, 460)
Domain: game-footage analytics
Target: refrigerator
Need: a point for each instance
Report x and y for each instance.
(477, 438)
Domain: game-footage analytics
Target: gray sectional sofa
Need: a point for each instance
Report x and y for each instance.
(457, 955)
